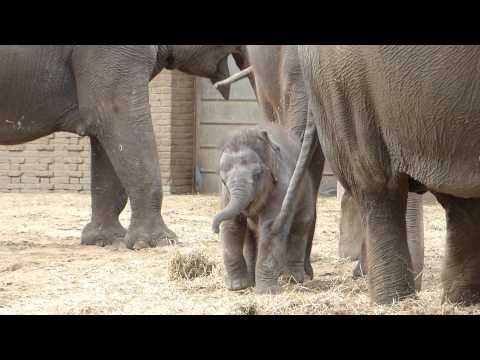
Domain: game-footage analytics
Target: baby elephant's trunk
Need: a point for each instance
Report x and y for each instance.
(240, 198)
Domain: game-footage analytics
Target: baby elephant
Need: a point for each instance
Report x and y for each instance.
(256, 165)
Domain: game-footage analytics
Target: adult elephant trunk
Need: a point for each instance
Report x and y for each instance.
(240, 198)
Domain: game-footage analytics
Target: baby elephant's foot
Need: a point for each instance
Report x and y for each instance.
(238, 282)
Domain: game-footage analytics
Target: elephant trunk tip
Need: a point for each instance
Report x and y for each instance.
(240, 200)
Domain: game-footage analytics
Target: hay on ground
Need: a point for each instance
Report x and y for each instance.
(190, 266)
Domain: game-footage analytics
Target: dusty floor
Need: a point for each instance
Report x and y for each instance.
(44, 270)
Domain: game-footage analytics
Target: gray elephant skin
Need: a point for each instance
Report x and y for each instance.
(255, 168)
(352, 235)
(102, 92)
(278, 82)
(392, 119)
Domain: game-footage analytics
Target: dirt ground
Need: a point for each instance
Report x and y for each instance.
(44, 270)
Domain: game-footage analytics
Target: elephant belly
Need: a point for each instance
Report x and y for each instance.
(23, 126)
(441, 154)
(456, 173)
(37, 92)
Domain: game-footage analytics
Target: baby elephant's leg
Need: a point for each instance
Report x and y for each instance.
(232, 233)
(250, 253)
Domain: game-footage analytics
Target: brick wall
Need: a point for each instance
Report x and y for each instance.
(172, 97)
(61, 162)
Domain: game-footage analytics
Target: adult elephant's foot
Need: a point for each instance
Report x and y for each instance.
(297, 274)
(461, 270)
(103, 234)
(462, 295)
(142, 236)
(461, 276)
(391, 280)
(238, 282)
(267, 288)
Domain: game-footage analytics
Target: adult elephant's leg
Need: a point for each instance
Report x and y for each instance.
(130, 143)
(461, 269)
(118, 115)
(415, 238)
(108, 201)
(233, 234)
(390, 268)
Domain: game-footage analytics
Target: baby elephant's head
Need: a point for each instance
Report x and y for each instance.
(248, 174)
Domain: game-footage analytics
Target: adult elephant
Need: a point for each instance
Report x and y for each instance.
(275, 73)
(394, 118)
(102, 92)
